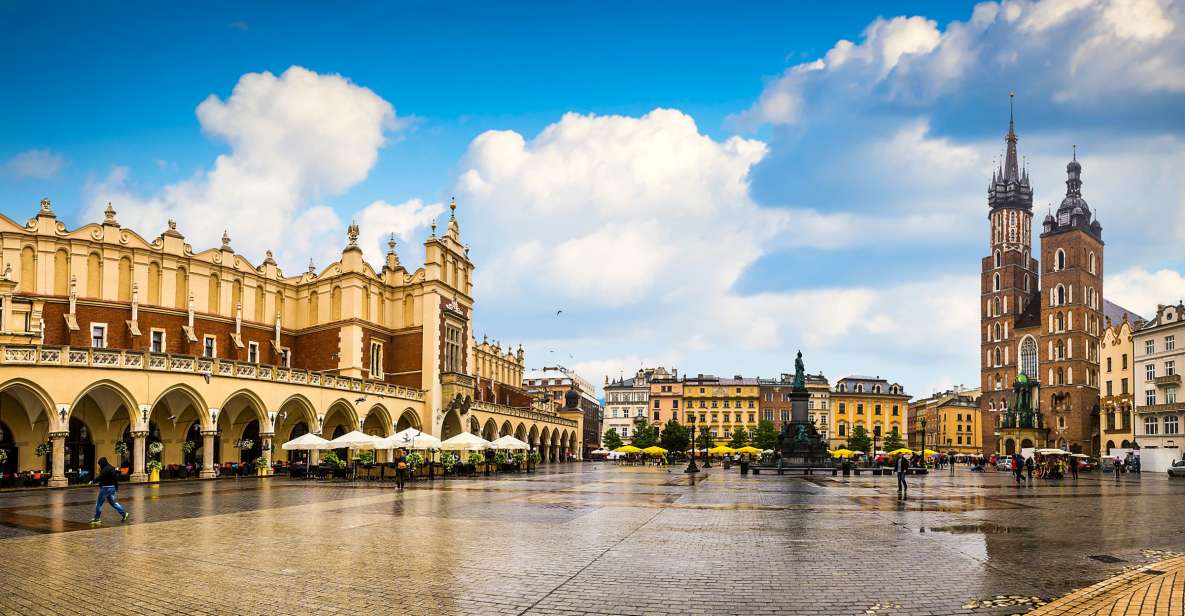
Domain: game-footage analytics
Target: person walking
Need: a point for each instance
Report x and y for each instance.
(1073, 467)
(1029, 465)
(902, 467)
(1017, 469)
(400, 471)
(1118, 467)
(108, 480)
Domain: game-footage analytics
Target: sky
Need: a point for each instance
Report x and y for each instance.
(704, 186)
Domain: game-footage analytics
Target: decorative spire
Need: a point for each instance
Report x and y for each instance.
(109, 215)
(391, 244)
(312, 268)
(352, 233)
(226, 240)
(392, 258)
(433, 228)
(452, 205)
(1010, 167)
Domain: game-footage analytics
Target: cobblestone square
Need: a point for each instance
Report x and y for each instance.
(585, 539)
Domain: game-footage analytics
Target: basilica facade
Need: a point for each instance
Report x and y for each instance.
(1041, 316)
(115, 345)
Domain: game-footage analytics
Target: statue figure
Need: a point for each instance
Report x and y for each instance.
(799, 373)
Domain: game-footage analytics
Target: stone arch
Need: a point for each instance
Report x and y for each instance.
(489, 431)
(533, 437)
(377, 418)
(251, 400)
(307, 412)
(545, 443)
(1025, 444)
(1009, 446)
(31, 395)
(520, 432)
(343, 407)
(408, 419)
(450, 425)
(572, 444)
(474, 425)
(506, 429)
(108, 395)
(184, 393)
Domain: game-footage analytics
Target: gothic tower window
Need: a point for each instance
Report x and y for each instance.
(996, 281)
(1027, 283)
(1092, 267)
(996, 259)
(1028, 357)
(1059, 261)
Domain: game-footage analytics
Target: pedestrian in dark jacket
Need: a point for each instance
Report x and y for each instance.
(108, 480)
(902, 467)
(1029, 464)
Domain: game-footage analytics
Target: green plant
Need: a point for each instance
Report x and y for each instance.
(414, 460)
(536, 457)
(645, 435)
(675, 436)
(153, 465)
(475, 458)
(858, 440)
(448, 461)
(43, 449)
(245, 444)
(365, 457)
(188, 446)
(260, 462)
(703, 439)
(500, 457)
(155, 447)
(611, 440)
(893, 441)
(765, 435)
(3, 456)
(331, 459)
(520, 457)
(740, 438)
(121, 447)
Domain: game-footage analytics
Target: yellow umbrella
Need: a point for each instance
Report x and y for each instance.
(721, 450)
(902, 451)
(749, 449)
(842, 453)
(628, 449)
(655, 450)
(929, 452)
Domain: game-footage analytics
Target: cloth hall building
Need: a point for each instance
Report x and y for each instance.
(1041, 318)
(108, 337)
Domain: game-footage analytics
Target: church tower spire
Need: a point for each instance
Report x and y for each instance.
(1011, 170)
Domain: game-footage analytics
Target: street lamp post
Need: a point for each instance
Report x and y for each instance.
(875, 435)
(691, 467)
(923, 452)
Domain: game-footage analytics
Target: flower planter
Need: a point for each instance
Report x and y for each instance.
(154, 476)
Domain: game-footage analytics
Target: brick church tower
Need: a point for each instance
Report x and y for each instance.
(1008, 284)
(1072, 314)
(1044, 322)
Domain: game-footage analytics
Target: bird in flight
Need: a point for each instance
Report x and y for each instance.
(559, 312)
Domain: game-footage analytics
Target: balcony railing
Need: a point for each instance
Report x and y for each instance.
(1157, 408)
(87, 357)
(1168, 379)
(499, 409)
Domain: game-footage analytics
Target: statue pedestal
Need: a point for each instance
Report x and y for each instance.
(799, 444)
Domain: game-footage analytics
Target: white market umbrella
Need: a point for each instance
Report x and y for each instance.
(411, 438)
(599, 451)
(307, 442)
(509, 442)
(465, 441)
(355, 440)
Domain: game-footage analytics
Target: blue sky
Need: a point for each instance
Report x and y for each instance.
(813, 178)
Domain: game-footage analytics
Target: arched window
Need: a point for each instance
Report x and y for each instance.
(1059, 322)
(154, 283)
(1027, 283)
(28, 281)
(313, 308)
(124, 293)
(841, 388)
(876, 389)
(259, 304)
(996, 307)
(1061, 376)
(1059, 350)
(335, 304)
(214, 295)
(94, 275)
(181, 289)
(859, 388)
(996, 259)
(1028, 357)
(61, 273)
(1059, 260)
(1092, 270)
(999, 357)
(996, 281)
(1059, 296)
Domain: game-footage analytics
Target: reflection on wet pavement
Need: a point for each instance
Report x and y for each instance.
(584, 539)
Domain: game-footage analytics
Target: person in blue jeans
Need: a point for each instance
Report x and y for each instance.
(108, 481)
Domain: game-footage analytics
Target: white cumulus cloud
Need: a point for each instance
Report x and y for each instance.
(294, 139)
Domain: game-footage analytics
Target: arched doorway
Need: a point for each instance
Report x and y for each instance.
(8, 445)
(451, 426)
(407, 419)
(300, 429)
(490, 431)
(505, 430)
(250, 436)
(342, 453)
(1025, 444)
(1009, 446)
(80, 449)
(474, 426)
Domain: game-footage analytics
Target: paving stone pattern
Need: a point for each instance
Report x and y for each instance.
(585, 539)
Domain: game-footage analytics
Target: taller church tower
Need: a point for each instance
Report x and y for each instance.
(1072, 319)
(1008, 284)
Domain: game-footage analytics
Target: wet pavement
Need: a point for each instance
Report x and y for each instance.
(585, 539)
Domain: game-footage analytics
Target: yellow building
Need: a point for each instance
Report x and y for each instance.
(954, 422)
(1117, 357)
(872, 402)
(721, 405)
(146, 349)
